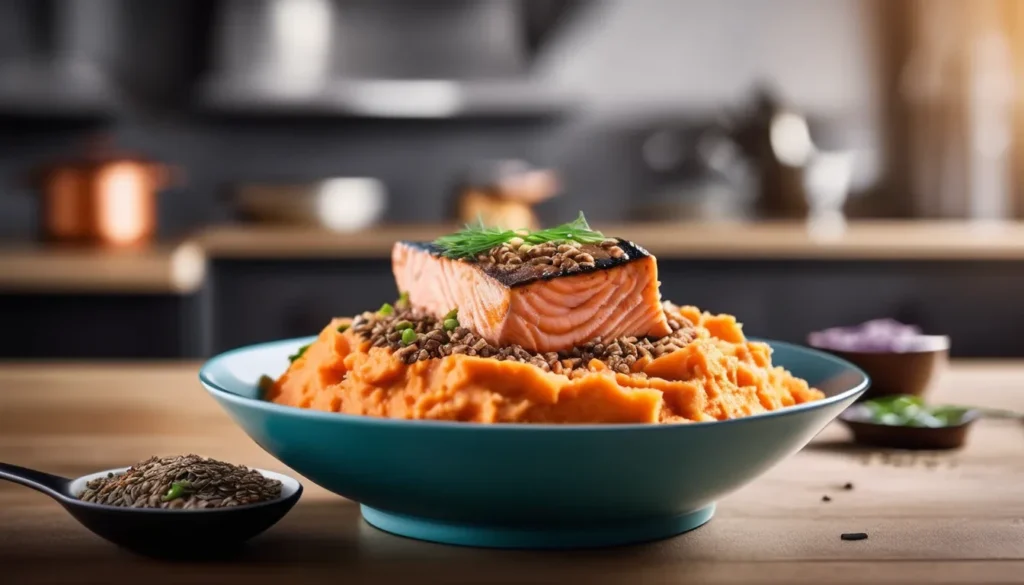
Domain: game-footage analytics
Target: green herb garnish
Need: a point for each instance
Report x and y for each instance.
(453, 314)
(451, 324)
(911, 411)
(386, 309)
(478, 239)
(403, 325)
(178, 489)
(299, 353)
(408, 336)
(343, 328)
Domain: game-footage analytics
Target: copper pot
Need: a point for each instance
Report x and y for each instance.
(108, 201)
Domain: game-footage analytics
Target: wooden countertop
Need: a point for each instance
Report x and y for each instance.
(861, 240)
(934, 517)
(167, 269)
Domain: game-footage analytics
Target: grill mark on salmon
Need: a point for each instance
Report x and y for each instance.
(537, 307)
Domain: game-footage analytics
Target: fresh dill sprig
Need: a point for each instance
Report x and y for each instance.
(577, 230)
(473, 240)
(479, 239)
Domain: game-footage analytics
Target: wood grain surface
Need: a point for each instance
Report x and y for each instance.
(931, 517)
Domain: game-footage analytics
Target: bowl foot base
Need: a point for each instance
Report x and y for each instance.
(540, 537)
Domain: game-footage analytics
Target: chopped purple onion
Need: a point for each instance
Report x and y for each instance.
(878, 335)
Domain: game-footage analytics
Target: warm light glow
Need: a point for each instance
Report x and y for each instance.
(123, 205)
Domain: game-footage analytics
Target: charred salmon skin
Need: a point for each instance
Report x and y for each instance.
(541, 302)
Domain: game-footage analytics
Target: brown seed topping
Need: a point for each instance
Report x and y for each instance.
(434, 342)
(551, 258)
(182, 483)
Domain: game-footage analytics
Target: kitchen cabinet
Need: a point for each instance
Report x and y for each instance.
(261, 300)
(101, 326)
(252, 300)
(78, 302)
(974, 302)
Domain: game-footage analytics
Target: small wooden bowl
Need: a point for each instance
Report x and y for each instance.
(897, 373)
(873, 434)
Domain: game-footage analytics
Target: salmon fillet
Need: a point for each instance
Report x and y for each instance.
(539, 308)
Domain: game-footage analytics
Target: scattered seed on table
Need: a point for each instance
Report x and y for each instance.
(854, 536)
(826, 499)
(848, 486)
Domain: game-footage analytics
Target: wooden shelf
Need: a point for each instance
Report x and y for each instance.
(181, 268)
(167, 269)
(875, 240)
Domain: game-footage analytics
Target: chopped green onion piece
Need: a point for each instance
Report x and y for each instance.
(450, 324)
(949, 415)
(403, 300)
(343, 328)
(453, 314)
(408, 336)
(403, 325)
(891, 419)
(178, 489)
(299, 353)
(386, 309)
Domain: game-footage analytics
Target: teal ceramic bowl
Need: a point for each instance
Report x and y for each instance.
(527, 486)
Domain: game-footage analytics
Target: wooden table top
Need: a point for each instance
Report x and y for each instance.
(931, 518)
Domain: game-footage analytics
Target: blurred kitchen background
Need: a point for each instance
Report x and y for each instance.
(179, 177)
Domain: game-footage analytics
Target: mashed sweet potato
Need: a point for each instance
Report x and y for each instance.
(720, 375)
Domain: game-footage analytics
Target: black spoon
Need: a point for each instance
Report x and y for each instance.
(199, 533)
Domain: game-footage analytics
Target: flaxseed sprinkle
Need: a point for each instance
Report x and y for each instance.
(568, 256)
(182, 482)
(431, 340)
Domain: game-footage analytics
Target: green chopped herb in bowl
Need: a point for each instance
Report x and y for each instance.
(907, 422)
(912, 411)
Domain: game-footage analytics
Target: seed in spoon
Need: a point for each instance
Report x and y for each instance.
(151, 484)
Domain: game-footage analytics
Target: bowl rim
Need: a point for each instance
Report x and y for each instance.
(222, 393)
(877, 353)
